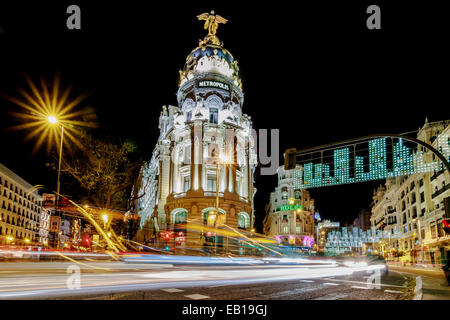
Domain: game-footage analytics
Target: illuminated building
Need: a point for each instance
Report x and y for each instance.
(65, 233)
(20, 209)
(178, 184)
(322, 230)
(44, 223)
(406, 204)
(349, 240)
(363, 220)
(290, 213)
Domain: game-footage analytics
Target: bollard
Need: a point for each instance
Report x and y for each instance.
(418, 289)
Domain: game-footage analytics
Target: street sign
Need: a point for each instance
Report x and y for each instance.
(55, 224)
(48, 200)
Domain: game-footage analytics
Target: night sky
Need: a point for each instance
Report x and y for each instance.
(315, 72)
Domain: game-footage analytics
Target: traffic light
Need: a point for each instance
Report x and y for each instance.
(290, 159)
(87, 241)
(447, 207)
(446, 225)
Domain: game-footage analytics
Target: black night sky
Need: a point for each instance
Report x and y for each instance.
(313, 71)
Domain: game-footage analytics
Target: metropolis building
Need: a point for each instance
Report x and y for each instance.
(178, 185)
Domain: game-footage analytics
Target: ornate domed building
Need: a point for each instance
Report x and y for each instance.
(205, 142)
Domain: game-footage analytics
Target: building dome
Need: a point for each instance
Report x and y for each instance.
(210, 58)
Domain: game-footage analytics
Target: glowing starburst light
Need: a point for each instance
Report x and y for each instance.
(45, 110)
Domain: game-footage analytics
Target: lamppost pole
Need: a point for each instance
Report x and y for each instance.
(53, 121)
(59, 166)
(217, 203)
(420, 240)
(217, 187)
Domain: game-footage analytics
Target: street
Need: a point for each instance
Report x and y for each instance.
(155, 281)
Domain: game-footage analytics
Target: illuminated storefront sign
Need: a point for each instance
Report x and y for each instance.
(330, 225)
(213, 84)
(291, 207)
(308, 241)
(180, 239)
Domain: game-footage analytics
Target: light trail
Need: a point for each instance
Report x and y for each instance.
(123, 277)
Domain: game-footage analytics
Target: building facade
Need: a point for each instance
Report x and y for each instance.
(20, 210)
(44, 224)
(207, 133)
(322, 230)
(409, 210)
(363, 220)
(290, 212)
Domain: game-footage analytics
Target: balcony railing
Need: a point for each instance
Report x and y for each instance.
(179, 195)
(437, 174)
(442, 190)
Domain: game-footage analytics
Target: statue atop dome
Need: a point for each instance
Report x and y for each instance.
(211, 23)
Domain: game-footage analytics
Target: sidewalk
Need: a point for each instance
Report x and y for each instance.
(434, 283)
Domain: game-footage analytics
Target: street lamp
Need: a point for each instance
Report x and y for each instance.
(417, 221)
(220, 159)
(53, 121)
(105, 219)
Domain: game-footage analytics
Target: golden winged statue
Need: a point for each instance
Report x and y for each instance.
(212, 23)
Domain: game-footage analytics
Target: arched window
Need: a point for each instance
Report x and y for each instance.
(243, 220)
(214, 104)
(178, 216)
(206, 211)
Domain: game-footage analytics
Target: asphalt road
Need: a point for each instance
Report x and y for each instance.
(119, 280)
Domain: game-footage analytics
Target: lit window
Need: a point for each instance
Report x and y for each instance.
(211, 183)
(187, 183)
(243, 220)
(213, 115)
(180, 217)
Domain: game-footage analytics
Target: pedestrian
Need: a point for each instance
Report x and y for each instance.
(446, 269)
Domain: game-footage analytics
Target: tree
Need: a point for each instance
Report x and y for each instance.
(104, 169)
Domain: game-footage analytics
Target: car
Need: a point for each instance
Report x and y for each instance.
(378, 260)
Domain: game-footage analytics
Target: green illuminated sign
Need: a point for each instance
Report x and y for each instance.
(290, 207)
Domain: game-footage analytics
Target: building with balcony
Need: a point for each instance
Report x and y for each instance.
(290, 212)
(409, 209)
(205, 135)
(44, 224)
(20, 209)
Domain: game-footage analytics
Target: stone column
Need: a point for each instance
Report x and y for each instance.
(234, 164)
(192, 157)
(199, 139)
(175, 170)
(170, 169)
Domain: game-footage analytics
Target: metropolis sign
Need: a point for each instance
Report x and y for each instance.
(213, 84)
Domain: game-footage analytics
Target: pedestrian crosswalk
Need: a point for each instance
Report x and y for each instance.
(172, 290)
(196, 296)
(311, 285)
